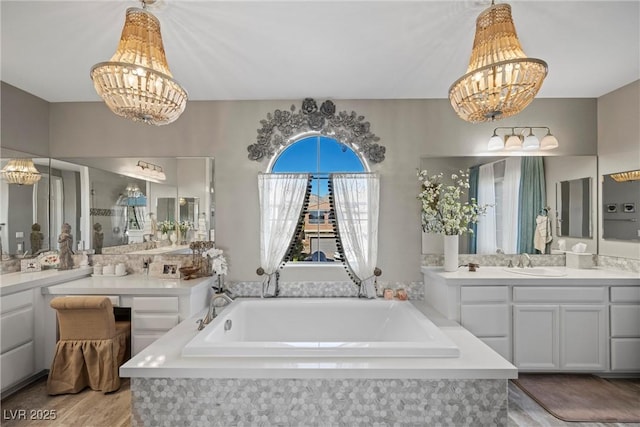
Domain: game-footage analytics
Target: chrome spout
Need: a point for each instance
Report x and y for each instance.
(211, 313)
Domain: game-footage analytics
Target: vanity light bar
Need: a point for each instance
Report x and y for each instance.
(152, 171)
(521, 138)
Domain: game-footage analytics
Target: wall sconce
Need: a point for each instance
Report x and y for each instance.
(521, 138)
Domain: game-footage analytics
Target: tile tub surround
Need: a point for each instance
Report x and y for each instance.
(617, 263)
(337, 402)
(308, 289)
(293, 391)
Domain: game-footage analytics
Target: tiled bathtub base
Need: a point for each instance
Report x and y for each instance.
(321, 402)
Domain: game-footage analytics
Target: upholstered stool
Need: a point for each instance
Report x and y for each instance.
(91, 348)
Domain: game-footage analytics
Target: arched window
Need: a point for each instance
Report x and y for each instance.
(320, 156)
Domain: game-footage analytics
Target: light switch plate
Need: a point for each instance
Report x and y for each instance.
(19, 235)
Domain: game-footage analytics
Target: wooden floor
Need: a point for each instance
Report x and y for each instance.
(95, 409)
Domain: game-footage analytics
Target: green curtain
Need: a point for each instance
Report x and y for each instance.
(531, 202)
(474, 172)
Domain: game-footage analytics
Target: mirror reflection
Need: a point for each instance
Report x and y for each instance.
(573, 202)
(25, 184)
(621, 206)
(517, 225)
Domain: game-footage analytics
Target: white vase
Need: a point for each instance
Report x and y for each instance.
(173, 239)
(450, 252)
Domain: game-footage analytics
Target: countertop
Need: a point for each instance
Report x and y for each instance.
(21, 281)
(163, 359)
(133, 284)
(514, 276)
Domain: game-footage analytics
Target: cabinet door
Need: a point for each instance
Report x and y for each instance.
(583, 337)
(536, 341)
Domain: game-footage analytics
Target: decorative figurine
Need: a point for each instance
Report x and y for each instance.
(36, 239)
(98, 237)
(66, 243)
(388, 293)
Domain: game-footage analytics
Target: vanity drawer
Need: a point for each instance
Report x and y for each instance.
(625, 321)
(554, 294)
(481, 294)
(625, 354)
(17, 328)
(17, 364)
(15, 301)
(625, 294)
(160, 322)
(487, 320)
(140, 341)
(156, 304)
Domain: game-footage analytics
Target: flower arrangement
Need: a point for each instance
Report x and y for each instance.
(166, 226)
(183, 226)
(442, 209)
(218, 261)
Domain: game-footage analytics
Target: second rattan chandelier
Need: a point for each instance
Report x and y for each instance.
(500, 80)
(136, 83)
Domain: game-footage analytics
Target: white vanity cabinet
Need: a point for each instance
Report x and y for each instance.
(152, 317)
(484, 311)
(560, 328)
(576, 321)
(17, 360)
(625, 328)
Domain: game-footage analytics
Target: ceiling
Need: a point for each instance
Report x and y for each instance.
(240, 50)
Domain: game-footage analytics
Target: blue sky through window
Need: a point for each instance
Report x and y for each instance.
(319, 155)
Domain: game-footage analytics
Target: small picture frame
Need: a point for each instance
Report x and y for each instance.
(30, 265)
(165, 270)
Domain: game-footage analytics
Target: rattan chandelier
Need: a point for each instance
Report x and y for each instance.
(626, 176)
(136, 82)
(21, 172)
(500, 80)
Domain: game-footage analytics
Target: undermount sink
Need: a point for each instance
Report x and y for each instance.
(537, 271)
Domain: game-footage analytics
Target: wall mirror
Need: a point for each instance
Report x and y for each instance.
(556, 169)
(573, 207)
(122, 203)
(621, 206)
(24, 208)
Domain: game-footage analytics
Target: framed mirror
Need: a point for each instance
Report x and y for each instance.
(621, 206)
(573, 207)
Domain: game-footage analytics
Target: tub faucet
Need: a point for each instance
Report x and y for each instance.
(211, 314)
(521, 261)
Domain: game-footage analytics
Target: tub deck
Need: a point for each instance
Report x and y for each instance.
(164, 359)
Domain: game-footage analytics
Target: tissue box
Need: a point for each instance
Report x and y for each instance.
(579, 260)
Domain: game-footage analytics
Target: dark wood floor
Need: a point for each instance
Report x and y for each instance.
(95, 409)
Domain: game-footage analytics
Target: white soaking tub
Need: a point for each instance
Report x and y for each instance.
(320, 327)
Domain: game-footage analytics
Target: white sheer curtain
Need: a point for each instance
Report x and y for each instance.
(281, 199)
(487, 223)
(357, 203)
(510, 197)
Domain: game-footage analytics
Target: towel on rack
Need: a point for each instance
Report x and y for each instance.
(542, 235)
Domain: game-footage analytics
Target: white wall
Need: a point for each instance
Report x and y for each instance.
(618, 150)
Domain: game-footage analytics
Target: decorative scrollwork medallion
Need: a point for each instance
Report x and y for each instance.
(279, 129)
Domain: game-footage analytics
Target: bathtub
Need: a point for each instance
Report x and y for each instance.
(320, 327)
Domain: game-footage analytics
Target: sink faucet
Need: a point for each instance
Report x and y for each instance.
(211, 314)
(521, 261)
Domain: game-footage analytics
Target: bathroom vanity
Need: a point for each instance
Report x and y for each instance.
(551, 319)
(156, 304)
(22, 322)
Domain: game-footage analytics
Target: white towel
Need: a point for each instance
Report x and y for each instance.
(542, 235)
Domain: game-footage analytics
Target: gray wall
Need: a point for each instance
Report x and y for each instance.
(25, 121)
(410, 129)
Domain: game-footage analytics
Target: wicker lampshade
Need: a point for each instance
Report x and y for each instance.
(626, 176)
(21, 172)
(137, 83)
(500, 80)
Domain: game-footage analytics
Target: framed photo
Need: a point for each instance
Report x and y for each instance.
(165, 270)
(30, 265)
